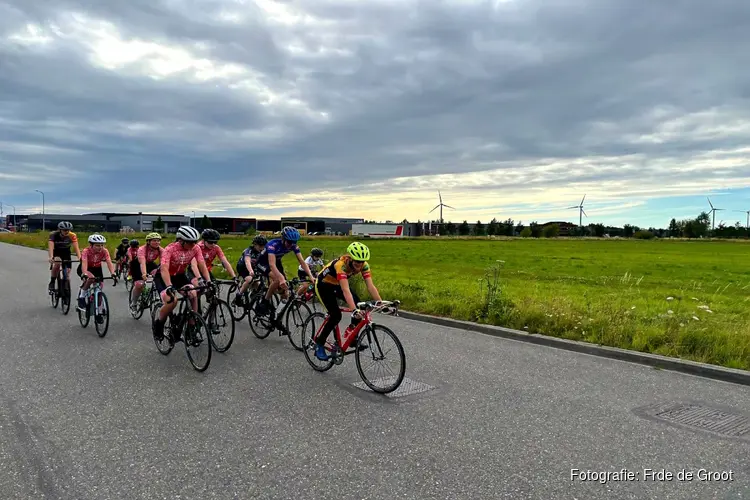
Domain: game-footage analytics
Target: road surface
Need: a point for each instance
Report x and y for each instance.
(89, 418)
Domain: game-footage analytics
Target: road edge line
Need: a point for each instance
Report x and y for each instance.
(705, 370)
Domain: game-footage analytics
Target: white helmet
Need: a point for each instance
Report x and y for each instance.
(97, 238)
(187, 233)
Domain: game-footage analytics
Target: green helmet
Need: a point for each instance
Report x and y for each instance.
(153, 236)
(358, 251)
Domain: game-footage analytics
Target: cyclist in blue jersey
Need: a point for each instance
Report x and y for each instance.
(269, 264)
(246, 265)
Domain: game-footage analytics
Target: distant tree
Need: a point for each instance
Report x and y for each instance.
(158, 224)
(479, 229)
(519, 228)
(536, 230)
(463, 229)
(206, 222)
(674, 228)
(597, 230)
(450, 228)
(492, 227)
(508, 227)
(628, 230)
(526, 232)
(551, 230)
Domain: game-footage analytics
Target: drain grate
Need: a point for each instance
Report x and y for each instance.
(408, 386)
(723, 422)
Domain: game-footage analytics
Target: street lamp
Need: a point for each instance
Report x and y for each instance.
(193, 221)
(14, 216)
(42, 207)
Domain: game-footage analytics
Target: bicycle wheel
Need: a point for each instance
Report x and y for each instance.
(295, 320)
(378, 337)
(164, 345)
(101, 315)
(238, 312)
(309, 328)
(260, 325)
(65, 299)
(139, 310)
(84, 316)
(220, 326)
(54, 296)
(128, 283)
(197, 343)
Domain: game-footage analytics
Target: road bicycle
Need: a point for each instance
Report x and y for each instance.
(149, 295)
(258, 286)
(98, 307)
(292, 315)
(187, 326)
(218, 317)
(61, 290)
(355, 335)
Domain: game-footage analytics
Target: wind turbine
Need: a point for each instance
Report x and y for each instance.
(581, 212)
(747, 225)
(440, 205)
(713, 212)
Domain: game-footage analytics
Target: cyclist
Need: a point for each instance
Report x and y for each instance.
(175, 260)
(58, 248)
(332, 283)
(143, 264)
(210, 249)
(121, 255)
(269, 264)
(91, 266)
(247, 263)
(314, 262)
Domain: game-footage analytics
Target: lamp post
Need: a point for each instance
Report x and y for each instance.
(42, 207)
(14, 216)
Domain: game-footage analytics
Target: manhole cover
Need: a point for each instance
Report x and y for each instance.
(408, 386)
(719, 421)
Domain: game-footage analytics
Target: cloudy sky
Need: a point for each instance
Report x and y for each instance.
(366, 108)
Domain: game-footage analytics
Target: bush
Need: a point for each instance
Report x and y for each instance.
(643, 235)
(551, 231)
(526, 233)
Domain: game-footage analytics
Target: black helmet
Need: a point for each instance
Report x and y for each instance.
(210, 235)
(260, 240)
(124, 240)
(317, 252)
(134, 243)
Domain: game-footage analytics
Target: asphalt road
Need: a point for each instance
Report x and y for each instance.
(88, 418)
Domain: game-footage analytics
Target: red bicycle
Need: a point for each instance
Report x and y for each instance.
(366, 337)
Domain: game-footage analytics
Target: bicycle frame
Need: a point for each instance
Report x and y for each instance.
(368, 309)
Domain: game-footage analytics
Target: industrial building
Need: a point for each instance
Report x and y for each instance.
(226, 225)
(140, 222)
(48, 222)
(322, 225)
(380, 230)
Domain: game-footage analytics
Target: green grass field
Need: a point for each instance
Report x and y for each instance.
(684, 299)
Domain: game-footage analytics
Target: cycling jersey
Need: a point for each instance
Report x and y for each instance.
(63, 242)
(178, 260)
(277, 248)
(121, 250)
(150, 254)
(311, 263)
(341, 268)
(249, 252)
(94, 258)
(132, 254)
(210, 254)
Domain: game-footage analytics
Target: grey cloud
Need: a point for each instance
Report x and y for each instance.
(418, 89)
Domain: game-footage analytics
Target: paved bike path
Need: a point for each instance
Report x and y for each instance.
(83, 417)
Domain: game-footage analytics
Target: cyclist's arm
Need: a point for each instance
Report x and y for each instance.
(85, 268)
(110, 265)
(249, 266)
(194, 267)
(77, 249)
(227, 266)
(142, 263)
(371, 288)
(51, 249)
(274, 269)
(164, 270)
(344, 284)
(203, 269)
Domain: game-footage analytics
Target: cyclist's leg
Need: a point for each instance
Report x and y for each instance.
(54, 269)
(327, 295)
(138, 283)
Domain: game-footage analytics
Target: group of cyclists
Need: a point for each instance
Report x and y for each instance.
(187, 262)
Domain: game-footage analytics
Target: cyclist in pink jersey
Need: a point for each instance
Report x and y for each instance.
(175, 260)
(143, 265)
(91, 265)
(211, 250)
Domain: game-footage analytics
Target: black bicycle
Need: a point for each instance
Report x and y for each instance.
(258, 286)
(149, 295)
(97, 305)
(292, 315)
(219, 319)
(61, 290)
(189, 327)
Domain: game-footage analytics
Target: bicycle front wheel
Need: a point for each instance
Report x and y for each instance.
(197, 343)
(309, 329)
(260, 325)
(139, 307)
(220, 326)
(238, 312)
(382, 343)
(65, 296)
(101, 315)
(296, 315)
